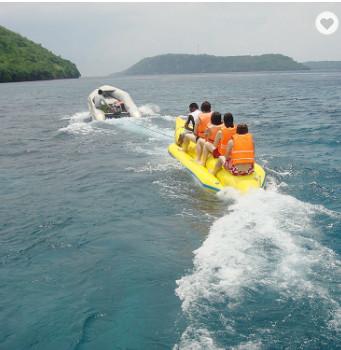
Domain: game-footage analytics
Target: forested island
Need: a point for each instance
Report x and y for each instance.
(188, 64)
(22, 59)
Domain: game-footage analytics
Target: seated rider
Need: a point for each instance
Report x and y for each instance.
(210, 134)
(239, 158)
(192, 119)
(100, 102)
(118, 107)
(200, 127)
(223, 136)
(123, 106)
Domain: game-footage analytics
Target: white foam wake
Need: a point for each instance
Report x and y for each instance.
(143, 126)
(150, 167)
(265, 240)
(81, 123)
(149, 109)
(196, 339)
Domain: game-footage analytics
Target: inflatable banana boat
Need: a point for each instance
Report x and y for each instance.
(224, 178)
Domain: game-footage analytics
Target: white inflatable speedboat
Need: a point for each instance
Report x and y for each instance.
(118, 104)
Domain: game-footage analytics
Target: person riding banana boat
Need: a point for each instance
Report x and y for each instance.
(218, 152)
(192, 120)
(210, 133)
(239, 158)
(200, 126)
(217, 143)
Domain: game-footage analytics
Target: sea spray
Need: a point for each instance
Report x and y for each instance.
(149, 109)
(81, 123)
(196, 339)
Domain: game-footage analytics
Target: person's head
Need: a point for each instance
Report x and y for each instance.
(206, 107)
(242, 129)
(100, 92)
(216, 118)
(193, 107)
(228, 120)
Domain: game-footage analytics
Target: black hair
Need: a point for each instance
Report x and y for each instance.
(194, 106)
(216, 118)
(228, 120)
(242, 129)
(100, 92)
(206, 107)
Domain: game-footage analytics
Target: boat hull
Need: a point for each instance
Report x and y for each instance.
(112, 94)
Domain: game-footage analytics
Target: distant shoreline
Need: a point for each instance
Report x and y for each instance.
(112, 76)
(40, 80)
(210, 64)
(189, 64)
(311, 71)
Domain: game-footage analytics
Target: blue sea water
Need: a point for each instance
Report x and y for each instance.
(108, 243)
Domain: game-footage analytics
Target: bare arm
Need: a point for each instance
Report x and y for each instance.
(229, 149)
(190, 119)
(195, 131)
(217, 138)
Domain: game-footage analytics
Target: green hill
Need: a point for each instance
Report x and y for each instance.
(22, 59)
(187, 64)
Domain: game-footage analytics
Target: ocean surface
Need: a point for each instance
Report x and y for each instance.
(108, 243)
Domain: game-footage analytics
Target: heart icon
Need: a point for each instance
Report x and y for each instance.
(327, 22)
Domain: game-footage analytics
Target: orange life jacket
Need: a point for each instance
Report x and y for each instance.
(204, 120)
(213, 131)
(243, 150)
(226, 136)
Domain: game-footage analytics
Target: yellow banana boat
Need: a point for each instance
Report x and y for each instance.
(224, 178)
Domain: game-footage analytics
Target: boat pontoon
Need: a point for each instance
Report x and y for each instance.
(118, 104)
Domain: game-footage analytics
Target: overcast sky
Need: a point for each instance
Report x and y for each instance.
(109, 37)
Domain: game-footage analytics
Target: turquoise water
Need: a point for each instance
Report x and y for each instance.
(107, 243)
